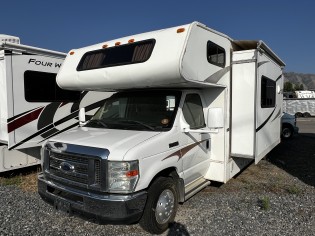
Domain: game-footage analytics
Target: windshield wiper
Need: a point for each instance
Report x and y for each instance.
(99, 122)
(140, 123)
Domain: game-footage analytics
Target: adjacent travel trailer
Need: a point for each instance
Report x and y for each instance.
(301, 106)
(32, 106)
(191, 105)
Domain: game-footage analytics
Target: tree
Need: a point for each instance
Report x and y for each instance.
(298, 87)
(288, 87)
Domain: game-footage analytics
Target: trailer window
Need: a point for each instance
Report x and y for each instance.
(42, 87)
(215, 54)
(116, 56)
(268, 92)
(193, 111)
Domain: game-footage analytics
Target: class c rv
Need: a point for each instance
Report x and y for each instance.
(190, 106)
(32, 106)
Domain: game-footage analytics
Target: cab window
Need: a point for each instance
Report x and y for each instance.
(193, 111)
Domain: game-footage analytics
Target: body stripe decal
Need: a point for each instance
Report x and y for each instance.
(277, 115)
(59, 131)
(25, 119)
(19, 115)
(47, 130)
(47, 116)
(280, 76)
(266, 121)
(181, 152)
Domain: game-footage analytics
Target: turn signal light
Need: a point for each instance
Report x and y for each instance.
(71, 53)
(132, 173)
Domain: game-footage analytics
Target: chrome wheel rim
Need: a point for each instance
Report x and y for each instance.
(164, 206)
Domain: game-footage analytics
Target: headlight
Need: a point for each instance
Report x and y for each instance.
(122, 176)
(42, 153)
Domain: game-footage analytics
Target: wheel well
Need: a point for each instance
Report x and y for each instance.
(172, 172)
(169, 172)
(287, 125)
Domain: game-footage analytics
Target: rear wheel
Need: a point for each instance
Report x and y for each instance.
(306, 114)
(161, 206)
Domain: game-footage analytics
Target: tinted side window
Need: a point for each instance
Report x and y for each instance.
(215, 54)
(42, 87)
(116, 56)
(268, 92)
(193, 111)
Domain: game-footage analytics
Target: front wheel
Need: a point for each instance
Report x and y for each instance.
(298, 114)
(161, 206)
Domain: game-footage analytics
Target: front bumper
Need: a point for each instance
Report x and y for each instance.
(109, 207)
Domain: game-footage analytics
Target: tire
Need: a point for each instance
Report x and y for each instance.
(298, 114)
(161, 206)
(306, 114)
(287, 132)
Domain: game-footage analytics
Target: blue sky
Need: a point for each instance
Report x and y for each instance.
(286, 26)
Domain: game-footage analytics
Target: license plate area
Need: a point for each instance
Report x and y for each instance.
(62, 205)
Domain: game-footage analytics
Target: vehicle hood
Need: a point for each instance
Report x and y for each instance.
(117, 142)
(287, 116)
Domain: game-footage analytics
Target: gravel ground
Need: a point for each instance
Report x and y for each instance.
(275, 197)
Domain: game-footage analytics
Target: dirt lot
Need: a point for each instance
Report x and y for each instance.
(291, 158)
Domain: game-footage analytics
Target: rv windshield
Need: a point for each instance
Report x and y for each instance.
(151, 110)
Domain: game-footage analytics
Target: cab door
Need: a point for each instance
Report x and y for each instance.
(195, 154)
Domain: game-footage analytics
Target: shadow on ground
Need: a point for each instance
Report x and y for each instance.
(297, 157)
(177, 229)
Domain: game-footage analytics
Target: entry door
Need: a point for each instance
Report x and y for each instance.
(196, 152)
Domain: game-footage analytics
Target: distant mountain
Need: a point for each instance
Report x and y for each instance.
(308, 80)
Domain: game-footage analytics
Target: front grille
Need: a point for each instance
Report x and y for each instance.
(97, 167)
(76, 169)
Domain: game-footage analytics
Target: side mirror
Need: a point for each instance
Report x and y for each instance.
(82, 120)
(215, 118)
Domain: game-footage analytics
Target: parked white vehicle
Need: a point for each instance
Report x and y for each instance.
(191, 106)
(305, 94)
(32, 106)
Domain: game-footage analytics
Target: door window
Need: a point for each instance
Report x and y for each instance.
(193, 111)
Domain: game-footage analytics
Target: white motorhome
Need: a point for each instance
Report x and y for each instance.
(32, 106)
(191, 106)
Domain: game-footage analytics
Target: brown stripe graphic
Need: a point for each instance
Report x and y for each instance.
(180, 153)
